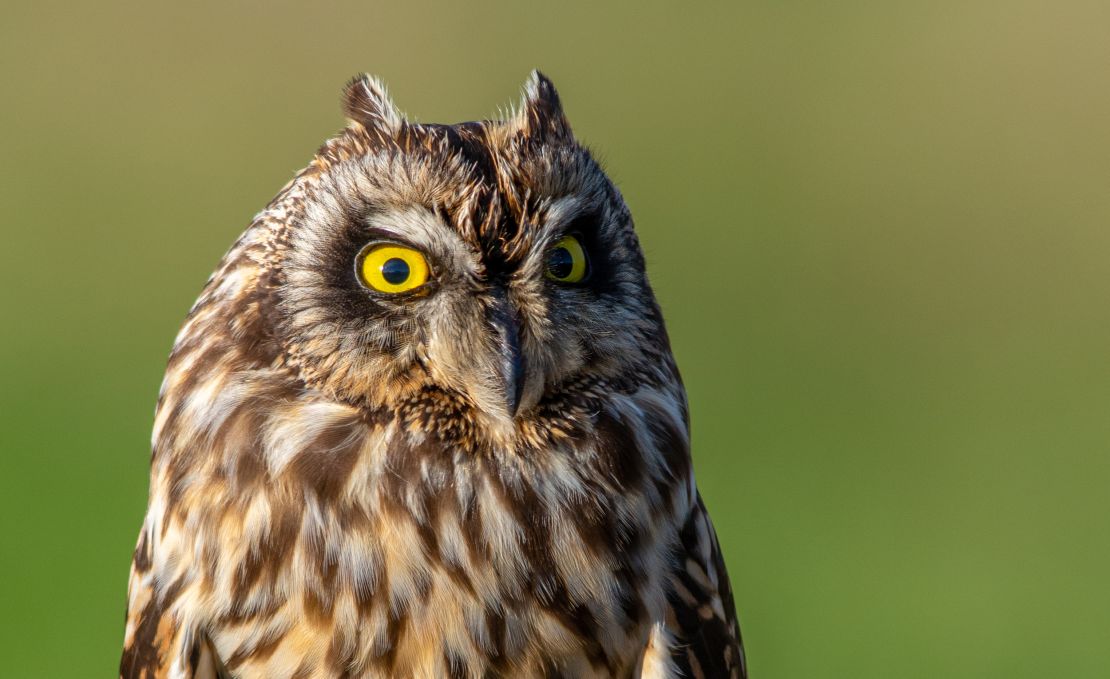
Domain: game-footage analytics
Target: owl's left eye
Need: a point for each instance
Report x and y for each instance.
(392, 268)
(567, 261)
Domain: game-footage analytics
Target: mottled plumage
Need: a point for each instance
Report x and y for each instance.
(485, 476)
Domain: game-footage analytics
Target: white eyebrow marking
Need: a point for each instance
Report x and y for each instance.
(424, 230)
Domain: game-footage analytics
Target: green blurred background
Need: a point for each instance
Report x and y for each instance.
(878, 231)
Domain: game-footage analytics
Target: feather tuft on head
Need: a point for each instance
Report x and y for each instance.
(366, 102)
(541, 113)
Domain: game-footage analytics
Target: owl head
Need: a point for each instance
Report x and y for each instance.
(491, 265)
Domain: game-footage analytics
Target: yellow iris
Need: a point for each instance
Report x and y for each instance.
(566, 262)
(392, 268)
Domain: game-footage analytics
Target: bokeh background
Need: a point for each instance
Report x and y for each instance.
(878, 230)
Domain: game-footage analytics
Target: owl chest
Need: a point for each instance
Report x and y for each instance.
(461, 578)
(516, 610)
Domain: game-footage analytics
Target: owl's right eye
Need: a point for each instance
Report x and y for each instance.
(392, 268)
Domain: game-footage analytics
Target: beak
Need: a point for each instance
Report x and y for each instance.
(505, 322)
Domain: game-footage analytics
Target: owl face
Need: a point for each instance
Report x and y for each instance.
(491, 263)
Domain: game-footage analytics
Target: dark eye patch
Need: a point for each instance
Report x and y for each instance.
(601, 254)
(587, 225)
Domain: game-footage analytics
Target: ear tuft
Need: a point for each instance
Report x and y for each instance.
(541, 113)
(366, 102)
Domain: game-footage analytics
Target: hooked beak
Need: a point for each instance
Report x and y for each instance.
(506, 328)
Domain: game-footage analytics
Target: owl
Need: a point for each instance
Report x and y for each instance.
(424, 421)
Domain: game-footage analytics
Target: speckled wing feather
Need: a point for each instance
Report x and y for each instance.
(155, 645)
(702, 614)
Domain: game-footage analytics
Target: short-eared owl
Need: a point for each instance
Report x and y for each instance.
(424, 421)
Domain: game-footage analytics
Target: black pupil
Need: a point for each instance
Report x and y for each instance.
(395, 271)
(560, 263)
